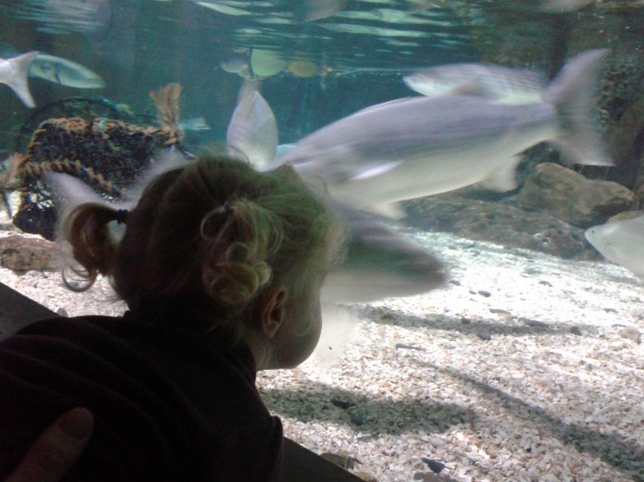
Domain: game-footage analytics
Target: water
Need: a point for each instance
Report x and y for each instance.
(360, 53)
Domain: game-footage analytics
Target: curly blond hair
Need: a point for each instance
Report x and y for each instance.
(204, 241)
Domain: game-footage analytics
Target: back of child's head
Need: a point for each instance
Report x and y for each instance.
(205, 240)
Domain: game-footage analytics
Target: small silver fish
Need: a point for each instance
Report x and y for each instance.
(502, 84)
(237, 65)
(14, 71)
(409, 148)
(194, 124)
(621, 242)
(65, 72)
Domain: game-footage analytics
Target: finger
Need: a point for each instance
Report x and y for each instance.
(57, 448)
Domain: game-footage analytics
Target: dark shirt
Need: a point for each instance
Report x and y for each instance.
(168, 405)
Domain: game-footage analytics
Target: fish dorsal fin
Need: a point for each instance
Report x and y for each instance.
(503, 178)
(18, 78)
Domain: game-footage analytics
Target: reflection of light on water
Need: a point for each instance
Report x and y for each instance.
(66, 16)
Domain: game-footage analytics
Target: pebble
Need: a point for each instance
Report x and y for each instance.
(434, 465)
(632, 333)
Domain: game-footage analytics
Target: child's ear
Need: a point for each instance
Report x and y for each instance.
(273, 312)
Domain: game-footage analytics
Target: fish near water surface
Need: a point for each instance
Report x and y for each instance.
(14, 73)
(621, 242)
(495, 82)
(415, 147)
(65, 72)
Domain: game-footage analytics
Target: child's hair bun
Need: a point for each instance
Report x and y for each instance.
(241, 237)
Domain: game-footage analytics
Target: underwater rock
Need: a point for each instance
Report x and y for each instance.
(20, 253)
(499, 223)
(434, 465)
(571, 197)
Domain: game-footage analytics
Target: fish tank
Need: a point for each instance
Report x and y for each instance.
(487, 325)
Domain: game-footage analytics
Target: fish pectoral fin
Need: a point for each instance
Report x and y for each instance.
(376, 171)
(503, 178)
(389, 210)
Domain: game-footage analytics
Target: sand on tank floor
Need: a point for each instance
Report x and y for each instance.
(525, 367)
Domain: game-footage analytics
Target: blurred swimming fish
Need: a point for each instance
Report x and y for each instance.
(194, 124)
(14, 71)
(409, 148)
(379, 263)
(237, 65)
(621, 242)
(65, 72)
(502, 84)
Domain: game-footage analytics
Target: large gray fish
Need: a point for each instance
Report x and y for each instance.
(502, 84)
(14, 72)
(379, 262)
(621, 242)
(409, 148)
(65, 72)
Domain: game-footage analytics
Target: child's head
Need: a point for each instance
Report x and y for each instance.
(213, 245)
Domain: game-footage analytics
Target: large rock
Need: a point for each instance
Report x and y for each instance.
(571, 197)
(21, 253)
(498, 223)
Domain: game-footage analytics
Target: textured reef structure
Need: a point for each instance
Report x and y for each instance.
(108, 155)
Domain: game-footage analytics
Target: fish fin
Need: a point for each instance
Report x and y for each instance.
(375, 171)
(70, 192)
(378, 263)
(18, 80)
(388, 210)
(571, 93)
(164, 161)
(252, 133)
(504, 177)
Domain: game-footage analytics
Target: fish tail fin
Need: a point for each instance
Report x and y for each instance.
(18, 80)
(572, 94)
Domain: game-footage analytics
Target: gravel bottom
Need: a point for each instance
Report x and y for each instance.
(524, 367)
